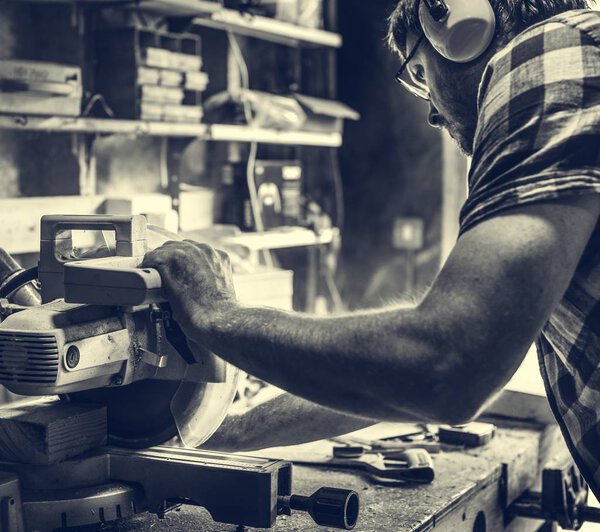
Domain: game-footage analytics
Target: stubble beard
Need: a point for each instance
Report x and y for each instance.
(463, 136)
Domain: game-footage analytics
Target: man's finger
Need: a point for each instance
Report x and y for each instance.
(224, 257)
(153, 259)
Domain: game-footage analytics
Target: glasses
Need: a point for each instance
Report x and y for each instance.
(408, 81)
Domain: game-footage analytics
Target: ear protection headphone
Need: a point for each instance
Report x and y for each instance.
(460, 30)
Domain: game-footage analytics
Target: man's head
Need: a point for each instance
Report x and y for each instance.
(452, 87)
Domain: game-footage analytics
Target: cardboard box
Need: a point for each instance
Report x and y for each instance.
(40, 88)
(325, 116)
(157, 208)
(268, 287)
(196, 209)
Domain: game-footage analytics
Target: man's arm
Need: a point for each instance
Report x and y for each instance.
(440, 360)
(283, 420)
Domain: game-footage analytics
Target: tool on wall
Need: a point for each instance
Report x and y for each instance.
(470, 434)
(409, 465)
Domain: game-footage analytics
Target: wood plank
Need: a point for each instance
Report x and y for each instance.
(215, 132)
(286, 237)
(173, 8)
(269, 29)
(51, 432)
(20, 218)
(521, 406)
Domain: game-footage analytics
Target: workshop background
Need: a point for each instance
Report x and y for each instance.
(371, 207)
(365, 200)
(291, 146)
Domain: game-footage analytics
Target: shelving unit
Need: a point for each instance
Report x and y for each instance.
(21, 215)
(180, 8)
(214, 132)
(172, 8)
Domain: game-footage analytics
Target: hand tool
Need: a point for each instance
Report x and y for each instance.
(105, 335)
(390, 444)
(413, 465)
(470, 435)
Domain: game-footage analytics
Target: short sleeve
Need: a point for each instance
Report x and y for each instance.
(538, 132)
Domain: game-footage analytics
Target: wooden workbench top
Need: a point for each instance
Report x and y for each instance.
(467, 482)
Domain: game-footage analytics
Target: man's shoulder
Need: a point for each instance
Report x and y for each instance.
(563, 30)
(524, 63)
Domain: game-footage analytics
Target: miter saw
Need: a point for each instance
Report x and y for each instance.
(104, 334)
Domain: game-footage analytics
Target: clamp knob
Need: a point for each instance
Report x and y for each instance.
(327, 506)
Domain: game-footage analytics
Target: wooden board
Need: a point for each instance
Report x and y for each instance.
(50, 432)
(20, 218)
(215, 132)
(269, 29)
(522, 406)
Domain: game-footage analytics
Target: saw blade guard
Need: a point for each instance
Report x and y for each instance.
(198, 408)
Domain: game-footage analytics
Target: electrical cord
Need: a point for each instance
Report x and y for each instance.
(340, 215)
(336, 297)
(253, 153)
(17, 281)
(338, 188)
(97, 98)
(238, 56)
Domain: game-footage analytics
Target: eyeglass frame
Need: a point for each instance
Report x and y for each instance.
(411, 88)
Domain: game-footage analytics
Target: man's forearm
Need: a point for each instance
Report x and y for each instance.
(381, 365)
(283, 420)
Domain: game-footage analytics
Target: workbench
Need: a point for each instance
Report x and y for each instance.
(471, 488)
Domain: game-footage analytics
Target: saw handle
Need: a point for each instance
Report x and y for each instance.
(112, 281)
(56, 237)
(115, 280)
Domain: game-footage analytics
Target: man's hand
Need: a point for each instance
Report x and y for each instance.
(197, 280)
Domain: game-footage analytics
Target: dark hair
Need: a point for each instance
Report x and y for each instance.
(513, 17)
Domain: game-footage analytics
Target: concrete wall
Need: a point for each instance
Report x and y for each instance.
(12, 44)
(391, 162)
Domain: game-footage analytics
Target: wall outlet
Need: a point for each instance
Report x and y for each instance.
(408, 234)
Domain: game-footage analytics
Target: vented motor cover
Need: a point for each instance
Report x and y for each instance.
(35, 345)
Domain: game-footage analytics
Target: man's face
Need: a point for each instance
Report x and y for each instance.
(452, 91)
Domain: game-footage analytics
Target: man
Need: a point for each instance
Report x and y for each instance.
(526, 265)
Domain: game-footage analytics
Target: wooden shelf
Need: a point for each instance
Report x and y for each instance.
(20, 218)
(215, 132)
(173, 8)
(268, 29)
(285, 237)
(178, 8)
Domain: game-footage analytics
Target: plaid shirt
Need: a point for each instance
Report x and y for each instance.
(537, 139)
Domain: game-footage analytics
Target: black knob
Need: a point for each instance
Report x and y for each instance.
(328, 507)
(438, 9)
